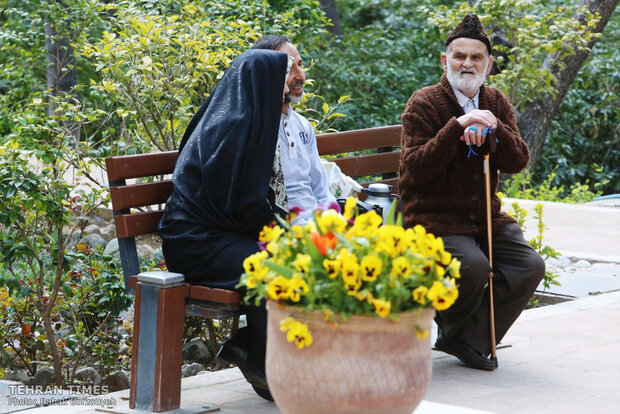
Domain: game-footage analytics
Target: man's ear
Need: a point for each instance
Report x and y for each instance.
(490, 66)
(444, 62)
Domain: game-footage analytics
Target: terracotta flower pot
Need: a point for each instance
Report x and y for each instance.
(365, 365)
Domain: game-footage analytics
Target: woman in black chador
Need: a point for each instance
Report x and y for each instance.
(225, 191)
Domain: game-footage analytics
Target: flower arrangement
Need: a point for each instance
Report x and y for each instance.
(350, 264)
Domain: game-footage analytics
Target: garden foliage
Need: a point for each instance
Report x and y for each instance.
(144, 66)
(143, 69)
(388, 49)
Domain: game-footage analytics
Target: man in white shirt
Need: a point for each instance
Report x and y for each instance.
(304, 175)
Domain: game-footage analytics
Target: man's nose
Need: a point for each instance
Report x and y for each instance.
(299, 74)
(468, 63)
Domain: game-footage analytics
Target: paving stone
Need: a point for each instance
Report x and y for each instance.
(584, 281)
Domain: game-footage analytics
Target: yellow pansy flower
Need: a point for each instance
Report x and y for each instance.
(441, 296)
(391, 240)
(364, 295)
(273, 248)
(349, 207)
(278, 288)
(344, 254)
(299, 333)
(350, 268)
(444, 257)
(310, 227)
(411, 239)
(331, 222)
(297, 287)
(421, 333)
(419, 231)
(270, 234)
(254, 265)
(453, 292)
(382, 307)
(352, 285)
(437, 289)
(298, 231)
(365, 225)
(328, 315)
(455, 268)
(401, 267)
(419, 294)
(332, 267)
(302, 262)
(252, 281)
(285, 324)
(371, 267)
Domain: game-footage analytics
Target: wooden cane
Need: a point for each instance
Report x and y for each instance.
(487, 188)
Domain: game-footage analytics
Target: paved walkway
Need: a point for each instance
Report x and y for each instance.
(563, 358)
(586, 231)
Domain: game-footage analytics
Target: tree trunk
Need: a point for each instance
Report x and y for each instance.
(61, 70)
(61, 67)
(534, 120)
(331, 11)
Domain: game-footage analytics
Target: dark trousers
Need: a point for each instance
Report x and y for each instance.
(224, 271)
(517, 269)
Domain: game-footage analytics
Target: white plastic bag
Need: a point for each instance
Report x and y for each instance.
(340, 185)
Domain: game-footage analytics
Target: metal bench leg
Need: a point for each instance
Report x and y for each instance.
(157, 342)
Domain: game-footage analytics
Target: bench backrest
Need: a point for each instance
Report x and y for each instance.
(139, 207)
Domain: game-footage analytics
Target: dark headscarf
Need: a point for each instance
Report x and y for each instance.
(221, 178)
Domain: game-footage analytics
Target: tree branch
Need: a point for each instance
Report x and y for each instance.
(534, 120)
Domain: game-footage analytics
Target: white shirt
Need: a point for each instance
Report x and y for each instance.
(304, 175)
(466, 103)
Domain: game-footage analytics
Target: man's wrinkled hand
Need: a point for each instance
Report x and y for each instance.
(478, 116)
(479, 119)
(473, 134)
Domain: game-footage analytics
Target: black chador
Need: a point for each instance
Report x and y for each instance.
(222, 196)
(221, 180)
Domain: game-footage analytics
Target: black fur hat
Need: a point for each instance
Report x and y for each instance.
(472, 28)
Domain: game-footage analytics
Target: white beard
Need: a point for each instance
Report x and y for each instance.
(295, 98)
(468, 84)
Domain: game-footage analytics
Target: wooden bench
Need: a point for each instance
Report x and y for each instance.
(163, 298)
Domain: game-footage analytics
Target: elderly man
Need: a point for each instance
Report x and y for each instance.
(442, 188)
(297, 179)
(304, 175)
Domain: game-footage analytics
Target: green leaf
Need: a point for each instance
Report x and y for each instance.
(67, 290)
(279, 269)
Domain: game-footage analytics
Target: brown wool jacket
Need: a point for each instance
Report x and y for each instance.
(440, 187)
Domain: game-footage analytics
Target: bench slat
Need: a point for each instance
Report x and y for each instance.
(358, 140)
(141, 165)
(389, 181)
(214, 294)
(372, 164)
(203, 293)
(140, 195)
(131, 225)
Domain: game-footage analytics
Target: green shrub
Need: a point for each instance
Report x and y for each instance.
(521, 186)
(63, 305)
(537, 243)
